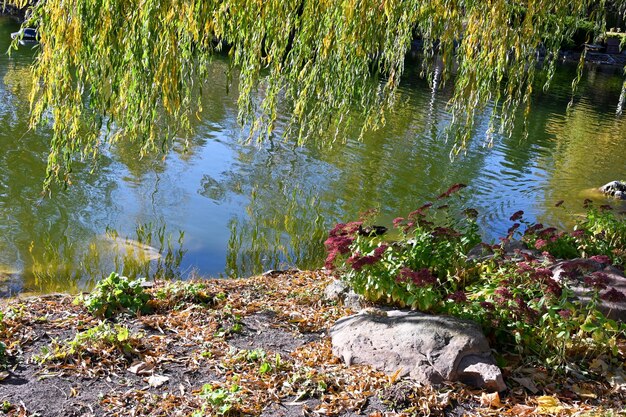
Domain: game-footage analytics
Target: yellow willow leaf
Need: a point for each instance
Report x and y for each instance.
(321, 54)
(326, 42)
(548, 405)
(584, 392)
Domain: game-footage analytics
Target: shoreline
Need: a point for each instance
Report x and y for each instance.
(13, 12)
(255, 346)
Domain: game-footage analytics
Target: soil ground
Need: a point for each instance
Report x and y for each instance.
(257, 346)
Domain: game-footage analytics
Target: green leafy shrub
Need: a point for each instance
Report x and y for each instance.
(4, 357)
(600, 232)
(116, 294)
(604, 234)
(561, 245)
(522, 308)
(512, 294)
(418, 270)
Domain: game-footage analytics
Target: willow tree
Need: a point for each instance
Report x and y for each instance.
(133, 66)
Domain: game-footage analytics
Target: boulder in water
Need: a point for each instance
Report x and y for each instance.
(615, 189)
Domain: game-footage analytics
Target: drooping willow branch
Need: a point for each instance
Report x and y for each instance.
(134, 64)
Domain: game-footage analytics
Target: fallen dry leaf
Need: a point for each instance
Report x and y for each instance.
(156, 381)
(141, 368)
(584, 392)
(490, 400)
(548, 405)
(521, 410)
(617, 380)
(599, 366)
(621, 346)
(536, 374)
(393, 378)
(527, 383)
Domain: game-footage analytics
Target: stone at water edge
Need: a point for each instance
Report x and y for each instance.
(573, 273)
(615, 189)
(336, 290)
(429, 349)
(511, 248)
(10, 282)
(340, 291)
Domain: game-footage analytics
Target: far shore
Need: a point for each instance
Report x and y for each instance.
(617, 61)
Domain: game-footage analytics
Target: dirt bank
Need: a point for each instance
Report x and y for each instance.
(235, 347)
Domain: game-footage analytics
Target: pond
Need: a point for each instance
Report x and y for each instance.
(224, 208)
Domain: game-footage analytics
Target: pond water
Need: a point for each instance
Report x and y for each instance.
(229, 209)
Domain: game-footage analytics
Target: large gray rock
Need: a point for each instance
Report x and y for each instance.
(429, 349)
(582, 275)
(615, 189)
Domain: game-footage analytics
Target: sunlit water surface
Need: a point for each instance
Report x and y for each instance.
(234, 210)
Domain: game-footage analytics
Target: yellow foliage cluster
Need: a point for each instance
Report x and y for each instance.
(136, 66)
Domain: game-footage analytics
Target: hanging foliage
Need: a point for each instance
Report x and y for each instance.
(132, 67)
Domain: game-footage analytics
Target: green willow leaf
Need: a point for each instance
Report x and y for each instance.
(132, 68)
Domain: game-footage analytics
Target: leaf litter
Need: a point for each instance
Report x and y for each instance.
(200, 353)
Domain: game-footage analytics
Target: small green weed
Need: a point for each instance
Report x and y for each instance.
(96, 341)
(178, 293)
(116, 294)
(265, 368)
(255, 360)
(306, 383)
(258, 356)
(220, 401)
(231, 322)
(237, 328)
(254, 355)
(5, 406)
(3, 355)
